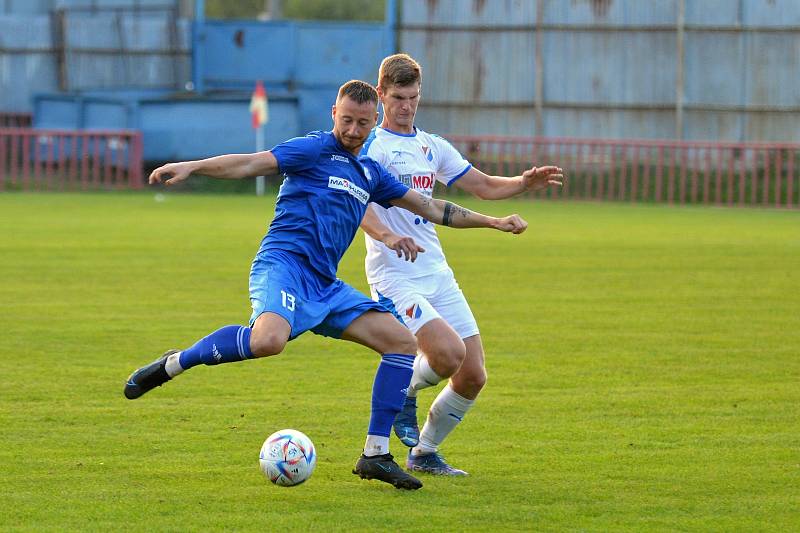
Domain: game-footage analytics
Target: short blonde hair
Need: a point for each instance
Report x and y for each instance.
(359, 91)
(400, 70)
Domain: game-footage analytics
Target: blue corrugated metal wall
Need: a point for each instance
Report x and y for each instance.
(587, 68)
(100, 50)
(609, 68)
(309, 59)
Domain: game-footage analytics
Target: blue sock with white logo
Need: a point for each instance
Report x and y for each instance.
(226, 345)
(388, 394)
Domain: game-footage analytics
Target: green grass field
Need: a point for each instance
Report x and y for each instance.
(643, 374)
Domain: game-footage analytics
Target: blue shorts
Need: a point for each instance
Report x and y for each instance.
(283, 284)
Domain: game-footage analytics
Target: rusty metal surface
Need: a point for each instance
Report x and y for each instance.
(610, 67)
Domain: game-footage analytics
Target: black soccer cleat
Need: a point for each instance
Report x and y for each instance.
(148, 377)
(383, 468)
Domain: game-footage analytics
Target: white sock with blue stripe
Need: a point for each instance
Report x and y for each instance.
(447, 410)
(423, 377)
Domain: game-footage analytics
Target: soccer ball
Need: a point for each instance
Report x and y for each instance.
(288, 457)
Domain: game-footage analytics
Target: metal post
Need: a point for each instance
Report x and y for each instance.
(198, 45)
(539, 104)
(679, 69)
(390, 23)
(260, 148)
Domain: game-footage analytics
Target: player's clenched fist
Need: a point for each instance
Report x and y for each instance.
(512, 224)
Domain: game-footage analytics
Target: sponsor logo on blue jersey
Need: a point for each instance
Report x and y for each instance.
(340, 158)
(335, 182)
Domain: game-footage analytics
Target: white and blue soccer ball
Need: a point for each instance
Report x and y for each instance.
(288, 457)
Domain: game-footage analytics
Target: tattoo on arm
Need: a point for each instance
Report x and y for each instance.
(452, 210)
(448, 208)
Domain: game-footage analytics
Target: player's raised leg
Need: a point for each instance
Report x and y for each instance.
(229, 344)
(442, 353)
(397, 346)
(448, 410)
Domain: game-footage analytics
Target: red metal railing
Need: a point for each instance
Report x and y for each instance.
(43, 159)
(10, 119)
(673, 172)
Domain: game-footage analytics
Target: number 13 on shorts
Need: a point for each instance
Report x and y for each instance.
(287, 300)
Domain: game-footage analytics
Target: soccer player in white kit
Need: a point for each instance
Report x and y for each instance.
(420, 287)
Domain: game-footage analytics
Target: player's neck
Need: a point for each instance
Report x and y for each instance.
(397, 128)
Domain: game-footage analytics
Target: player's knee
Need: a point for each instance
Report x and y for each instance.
(446, 358)
(267, 344)
(470, 383)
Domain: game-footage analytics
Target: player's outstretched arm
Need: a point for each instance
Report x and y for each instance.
(450, 214)
(230, 166)
(488, 187)
(405, 247)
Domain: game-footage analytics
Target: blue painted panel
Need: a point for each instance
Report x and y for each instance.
(771, 13)
(102, 114)
(336, 53)
(315, 108)
(38, 7)
(470, 67)
(719, 125)
(238, 53)
(189, 129)
(54, 111)
(772, 71)
(618, 12)
(713, 64)
(463, 13)
(713, 13)
(614, 67)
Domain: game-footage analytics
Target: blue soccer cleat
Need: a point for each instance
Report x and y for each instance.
(405, 423)
(432, 463)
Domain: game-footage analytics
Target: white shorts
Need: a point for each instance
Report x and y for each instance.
(417, 301)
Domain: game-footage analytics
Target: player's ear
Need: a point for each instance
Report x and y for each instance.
(333, 111)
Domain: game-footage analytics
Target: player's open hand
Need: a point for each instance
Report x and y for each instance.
(405, 247)
(171, 173)
(538, 178)
(511, 224)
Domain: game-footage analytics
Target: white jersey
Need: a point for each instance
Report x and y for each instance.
(418, 160)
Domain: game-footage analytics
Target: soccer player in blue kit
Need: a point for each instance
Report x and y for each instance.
(293, 284)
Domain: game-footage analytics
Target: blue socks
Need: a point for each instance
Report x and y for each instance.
(226, 345)
(389, 391)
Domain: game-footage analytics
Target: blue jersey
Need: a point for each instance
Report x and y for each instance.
(323, 198)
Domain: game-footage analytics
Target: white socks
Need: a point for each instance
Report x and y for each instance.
(173, 365)
(376, 445)
(446, 412)
(423, 376)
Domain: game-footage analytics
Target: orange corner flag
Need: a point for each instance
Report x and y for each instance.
(259, 108)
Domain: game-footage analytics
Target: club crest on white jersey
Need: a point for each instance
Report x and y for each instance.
(418, 161)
